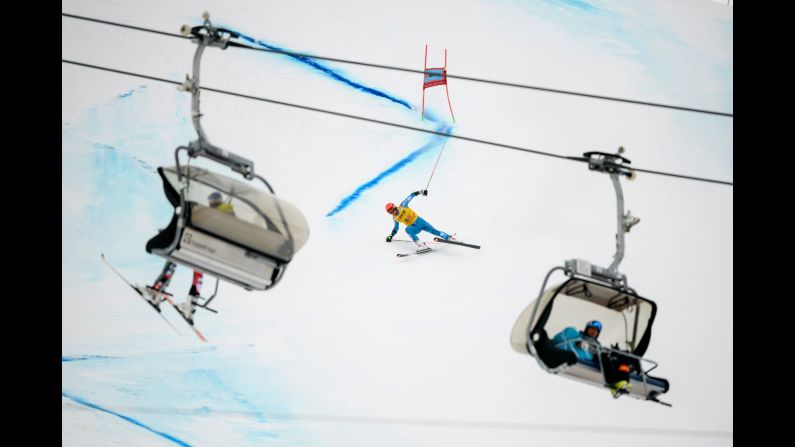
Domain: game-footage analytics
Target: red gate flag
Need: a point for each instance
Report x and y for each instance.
(433, 77)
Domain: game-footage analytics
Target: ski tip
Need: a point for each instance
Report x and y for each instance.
(199, 334)
(418, 252)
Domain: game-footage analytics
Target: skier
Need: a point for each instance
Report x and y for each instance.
(414, 223)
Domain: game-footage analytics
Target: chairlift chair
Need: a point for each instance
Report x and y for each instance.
(592, 292)
(251, 247)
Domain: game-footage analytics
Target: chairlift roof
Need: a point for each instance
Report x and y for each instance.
(600, 294)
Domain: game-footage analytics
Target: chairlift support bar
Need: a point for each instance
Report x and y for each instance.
(643, 373)
(204, 36)
(612, 164)
(208, 299)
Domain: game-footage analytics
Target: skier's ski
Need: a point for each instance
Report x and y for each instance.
(409, 240)
(191, 309)
(142, 294)
(418, 252)
(438, 239)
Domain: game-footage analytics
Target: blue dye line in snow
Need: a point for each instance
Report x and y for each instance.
(129, 93)
(84, 357)
(391, 170)
(74, 358)
(580, 4)
(336, 76)
(143, 164)
(126, 418)
(328, 71)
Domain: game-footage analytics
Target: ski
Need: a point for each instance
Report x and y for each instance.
(142, 295)
(189, 320)
(418, 252)
(409, 240)
(438, 239)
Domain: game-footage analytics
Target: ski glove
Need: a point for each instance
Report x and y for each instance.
(389, 238)
(424, 192)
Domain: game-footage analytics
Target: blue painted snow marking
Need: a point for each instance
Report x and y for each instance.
(328, 71)
(129, 93)
(435, 141)
(579, 4)
(84, 357)
(126, 418)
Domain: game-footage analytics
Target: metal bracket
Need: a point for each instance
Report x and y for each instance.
(584, 268)
(235, 162)
(609, 163)
(630, 221)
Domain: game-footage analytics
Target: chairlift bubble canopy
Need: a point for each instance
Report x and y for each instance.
(627, 320)
(250, 247)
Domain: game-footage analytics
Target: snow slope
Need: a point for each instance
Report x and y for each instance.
(356, 347)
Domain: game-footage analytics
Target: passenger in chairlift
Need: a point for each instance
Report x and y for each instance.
(215, 200)
(414, 223)
(580, 343)
(585, 345)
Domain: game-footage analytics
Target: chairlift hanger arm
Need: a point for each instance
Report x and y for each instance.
(613, 164)
(619, 256)
(207, 35)
(235, 162)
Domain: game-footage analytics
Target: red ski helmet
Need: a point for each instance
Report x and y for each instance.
(389, 207)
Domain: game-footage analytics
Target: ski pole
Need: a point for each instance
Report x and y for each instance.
(437, 162)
